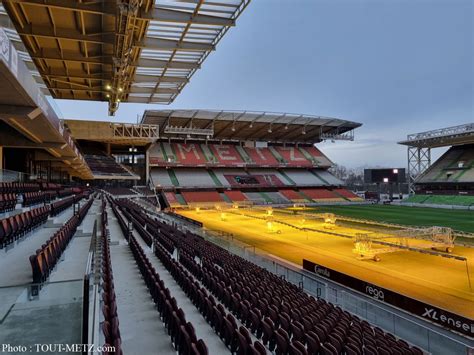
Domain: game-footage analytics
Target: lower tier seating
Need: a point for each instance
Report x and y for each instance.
(110, 326)
(450, 200)
(7, 202)
(182, 333)
(321, 195)
(16, 226)
(43, 262)
(285, 319)
(33, 198)
(201, 196)
(348, 194)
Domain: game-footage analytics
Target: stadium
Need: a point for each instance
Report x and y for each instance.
(208, 231)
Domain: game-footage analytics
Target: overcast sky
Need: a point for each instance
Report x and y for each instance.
(396, 66)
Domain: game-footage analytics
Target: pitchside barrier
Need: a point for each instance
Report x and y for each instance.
(417, 331)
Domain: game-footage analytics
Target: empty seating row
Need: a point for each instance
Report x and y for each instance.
(119, 191)
(181, 332)
(237, 339)
(33, 198)
(110, 325)
(43, 262)
(18, 187)
(7, 202)
(137, 220)
(14, 227)
(195, 154)
(59, 206)
(284, 317)
(105, 165)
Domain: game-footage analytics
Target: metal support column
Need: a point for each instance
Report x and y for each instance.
(419, 159)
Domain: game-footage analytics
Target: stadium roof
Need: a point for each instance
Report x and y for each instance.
(28, 120)
(141, 51)
(249, 125)
(444, 137)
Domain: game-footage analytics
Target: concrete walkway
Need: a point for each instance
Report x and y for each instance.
(141, 328)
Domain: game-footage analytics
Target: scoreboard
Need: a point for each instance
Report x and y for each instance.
(392, 175)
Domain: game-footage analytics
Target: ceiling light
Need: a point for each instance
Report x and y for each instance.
(108, 87)
(120, 89)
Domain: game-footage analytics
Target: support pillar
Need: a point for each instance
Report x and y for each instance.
(419, 159)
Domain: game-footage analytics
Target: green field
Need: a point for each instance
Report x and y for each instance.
(412, 216)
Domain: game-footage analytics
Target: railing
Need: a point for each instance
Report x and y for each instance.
(13, 176)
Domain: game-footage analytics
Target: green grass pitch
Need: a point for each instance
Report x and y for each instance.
(461, 220)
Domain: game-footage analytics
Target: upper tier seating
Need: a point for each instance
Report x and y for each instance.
(156, 154)
(292, 156)
(195, 154)
(188, 154)
(102, 164)
(261, 180)
(194, 177)
(321, 195)
(201, 196)
(316, 156)
(14, 227)
(261, 156)
(226, 154)
(302, 177)
(454, 166)
(7, 202)
(161, 177)
(220, 172)
(327, 177)
(279, 175)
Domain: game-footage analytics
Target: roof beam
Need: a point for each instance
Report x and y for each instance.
(61, 74)
(139, 78)
(155, 63)
(139, 90)
(108, 9)
(72, 57)
(98, 8)
(167, 15)
(168, 44)
(65, 34)
(146, 100)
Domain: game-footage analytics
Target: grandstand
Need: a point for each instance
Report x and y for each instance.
(450, 180)
(103, 243)
(273, 153)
